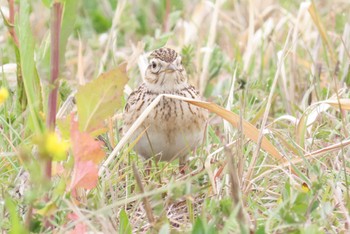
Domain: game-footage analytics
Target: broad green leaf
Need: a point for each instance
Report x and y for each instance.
(47, 3)
(49, 209)
(198, 227)
(260, 230)
(16, 224)
(43, 56)
(100, 98)
(124, 224)
(60, 187)
(30, 77)
(64, 127)
(67, 25)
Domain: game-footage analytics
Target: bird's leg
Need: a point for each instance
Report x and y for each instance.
(148, 167)
(182, 164)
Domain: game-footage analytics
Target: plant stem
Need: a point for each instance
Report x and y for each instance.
(166, 17)
(56, 14)
(12, 21)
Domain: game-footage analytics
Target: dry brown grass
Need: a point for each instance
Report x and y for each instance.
(294, 58)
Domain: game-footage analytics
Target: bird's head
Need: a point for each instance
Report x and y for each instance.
(165, 69)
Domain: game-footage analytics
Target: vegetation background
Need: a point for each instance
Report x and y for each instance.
(281, 65)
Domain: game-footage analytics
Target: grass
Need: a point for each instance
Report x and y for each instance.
(281, 65)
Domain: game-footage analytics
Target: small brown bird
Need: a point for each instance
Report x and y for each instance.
(174, 127)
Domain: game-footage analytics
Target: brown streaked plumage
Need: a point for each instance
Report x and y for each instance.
(165, 54)
(174, 127)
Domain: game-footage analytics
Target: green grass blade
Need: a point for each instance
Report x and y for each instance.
(30, 78)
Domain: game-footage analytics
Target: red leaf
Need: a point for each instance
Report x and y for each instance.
(85, 175)
(80, 227)
(85, 147)
(87, 153)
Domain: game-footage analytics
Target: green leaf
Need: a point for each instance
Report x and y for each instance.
(43, 56)
(226, 206)
(64, 127)
(312, 229)
(100, 21)
(260, 230)
(212, 229)
(198, 227)
(124, 225)
(30, 76)
(60, 188)
(49, 209)
(16, 225)
(165, 229)
(100, 99)
(68, 20)
(47, 3)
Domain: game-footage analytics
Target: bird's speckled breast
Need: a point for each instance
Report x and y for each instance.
(174, 127)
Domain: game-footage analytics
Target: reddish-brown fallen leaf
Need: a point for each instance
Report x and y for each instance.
(85, 147)
(85, 175)
(87, 153)
(80, 227)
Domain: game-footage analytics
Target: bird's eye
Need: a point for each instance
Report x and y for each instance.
(154, 65)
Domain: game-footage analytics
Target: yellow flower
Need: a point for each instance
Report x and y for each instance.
(56, 147)
(305, 188)
(4, 94)
(280, 200)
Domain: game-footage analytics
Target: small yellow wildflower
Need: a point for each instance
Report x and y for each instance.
(305, 188)
(4, 94)
(280, 200)
(56, 147)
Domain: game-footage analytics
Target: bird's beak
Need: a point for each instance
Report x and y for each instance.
(170, 68)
